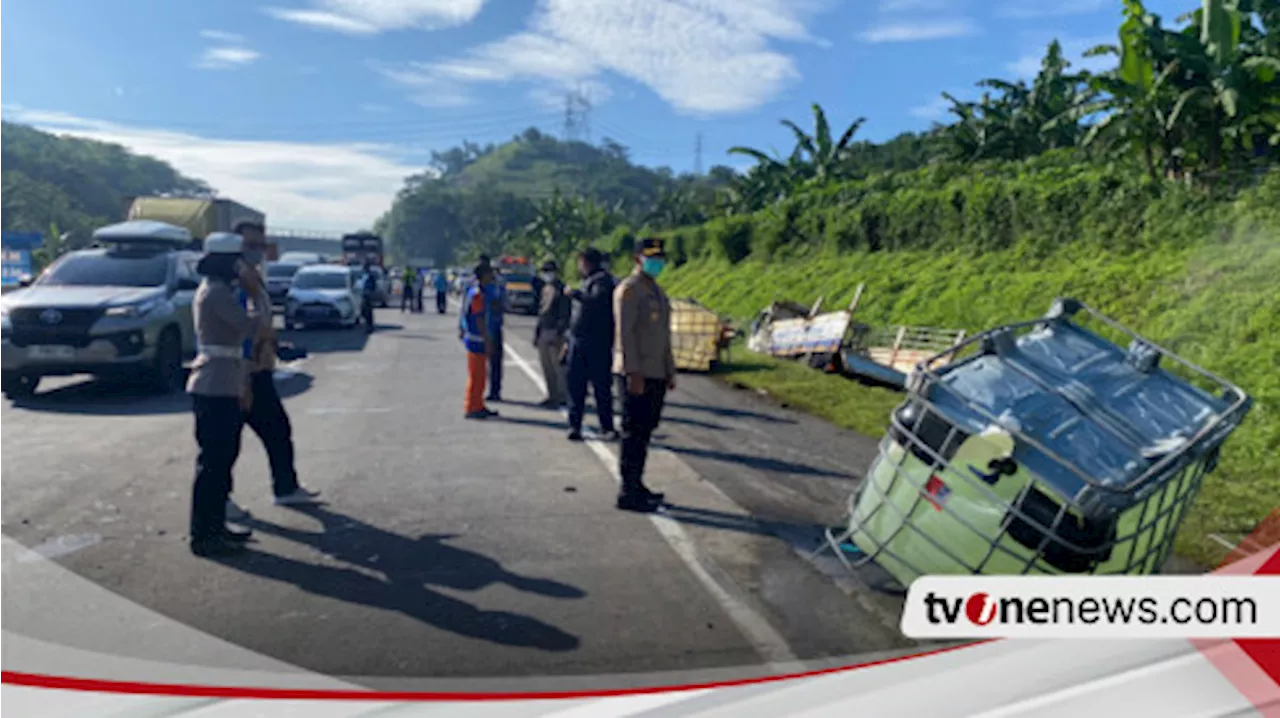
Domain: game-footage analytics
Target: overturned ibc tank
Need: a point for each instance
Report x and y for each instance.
(1041, 448)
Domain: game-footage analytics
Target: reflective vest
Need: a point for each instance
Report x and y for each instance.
(471, 322)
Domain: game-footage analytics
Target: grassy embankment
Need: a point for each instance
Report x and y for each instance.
(1199, 277)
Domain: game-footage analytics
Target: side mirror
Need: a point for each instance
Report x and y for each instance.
(26, 280)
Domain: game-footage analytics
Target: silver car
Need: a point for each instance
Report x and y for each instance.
(123, 310)
(323, 294)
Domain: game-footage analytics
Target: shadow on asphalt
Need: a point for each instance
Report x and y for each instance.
(104, 397)
(408, 567)
(730, 413)
(693, 422)
(741, 523)
(760, 463)
(323, 339)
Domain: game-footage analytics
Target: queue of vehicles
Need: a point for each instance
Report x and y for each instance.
(122, 307)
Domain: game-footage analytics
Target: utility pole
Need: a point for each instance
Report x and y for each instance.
(697, 155)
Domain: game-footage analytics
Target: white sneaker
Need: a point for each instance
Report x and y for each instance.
(300, 495)
(235, 512)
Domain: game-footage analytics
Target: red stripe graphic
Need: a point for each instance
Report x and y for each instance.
(36, 680)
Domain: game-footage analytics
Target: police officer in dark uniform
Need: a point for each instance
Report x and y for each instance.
(590, 356)
(645, 368)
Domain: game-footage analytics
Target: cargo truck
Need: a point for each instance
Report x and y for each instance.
(200, 216)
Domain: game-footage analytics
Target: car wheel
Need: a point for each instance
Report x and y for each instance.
(17, 385)
(166, 376)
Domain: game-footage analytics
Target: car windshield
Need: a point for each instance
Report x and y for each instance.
(109, 270)
(320, 280)
(517, 278)
(281, 271)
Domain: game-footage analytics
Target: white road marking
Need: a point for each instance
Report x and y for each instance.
(59, 546)
(766, 640)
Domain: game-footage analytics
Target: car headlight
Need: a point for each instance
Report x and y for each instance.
(129, 311)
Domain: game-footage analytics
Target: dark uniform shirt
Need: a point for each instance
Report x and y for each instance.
(593, 311)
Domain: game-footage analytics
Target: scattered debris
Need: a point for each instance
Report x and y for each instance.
(834, 343)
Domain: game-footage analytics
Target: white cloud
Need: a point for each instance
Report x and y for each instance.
(225, 58)
(330, 186)
(704, 56)
(229, 52)
(227, 38)
(1036, 9)
(915, 31)
(368, 17)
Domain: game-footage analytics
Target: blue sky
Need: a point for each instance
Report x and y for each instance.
(314, 110)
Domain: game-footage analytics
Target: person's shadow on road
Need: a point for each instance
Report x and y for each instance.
(408, 566)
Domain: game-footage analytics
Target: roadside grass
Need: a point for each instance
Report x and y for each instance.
(1216, 304)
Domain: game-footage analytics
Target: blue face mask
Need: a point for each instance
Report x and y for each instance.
(653, 266)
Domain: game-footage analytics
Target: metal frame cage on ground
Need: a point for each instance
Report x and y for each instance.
(930, 505)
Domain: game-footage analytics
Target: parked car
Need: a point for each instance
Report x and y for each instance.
(122, 309)
(323, 294)
(279, 279)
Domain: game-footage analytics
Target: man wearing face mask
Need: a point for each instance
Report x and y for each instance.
(645, 368)
(553, 322)
(267, 416)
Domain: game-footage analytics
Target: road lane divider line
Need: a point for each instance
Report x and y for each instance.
(764, 638)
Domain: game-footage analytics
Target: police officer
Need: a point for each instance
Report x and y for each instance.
(549, 334)
(645, 368)
(218, 386)
(496, 294)
(266, 415)
(591, 345)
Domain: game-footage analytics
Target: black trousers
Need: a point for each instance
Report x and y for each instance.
(441, 298)
(495, 366)
(218, 423)
(590, 365)
(406, 298)
(269, 421)
(640, 416)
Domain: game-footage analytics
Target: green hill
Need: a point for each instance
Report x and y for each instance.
(74, 184)
(479, 199)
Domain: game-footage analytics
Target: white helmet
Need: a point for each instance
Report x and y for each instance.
(223, 243)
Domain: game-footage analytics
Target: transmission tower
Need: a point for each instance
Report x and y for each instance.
(577, 116)
(697, 155)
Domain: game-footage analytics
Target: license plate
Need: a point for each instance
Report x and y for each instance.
(51, 352)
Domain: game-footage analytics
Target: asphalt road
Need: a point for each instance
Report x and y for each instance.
(449, 548)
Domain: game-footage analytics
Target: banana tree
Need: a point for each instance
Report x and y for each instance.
(823, 156)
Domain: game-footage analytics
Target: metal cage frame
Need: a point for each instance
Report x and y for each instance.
(1169, 484)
